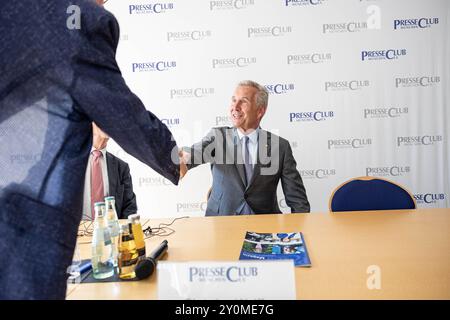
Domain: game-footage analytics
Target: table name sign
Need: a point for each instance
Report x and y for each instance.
(227, 280)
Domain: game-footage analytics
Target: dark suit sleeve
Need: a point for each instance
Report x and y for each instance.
(99, 90)
(129, 205)
(292, 184)
(202, 151)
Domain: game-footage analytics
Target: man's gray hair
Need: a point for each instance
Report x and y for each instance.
(262, 95)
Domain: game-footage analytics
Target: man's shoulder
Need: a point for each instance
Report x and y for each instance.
(270, 135)
(221, 131)
(225, 130)
(115, 159)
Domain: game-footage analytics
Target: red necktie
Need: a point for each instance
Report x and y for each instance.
(97, 192)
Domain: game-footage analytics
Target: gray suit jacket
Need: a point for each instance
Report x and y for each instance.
(221, 147)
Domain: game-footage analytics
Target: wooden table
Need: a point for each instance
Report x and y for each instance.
(411, 248)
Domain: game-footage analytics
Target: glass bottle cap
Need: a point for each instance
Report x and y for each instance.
(134, 217)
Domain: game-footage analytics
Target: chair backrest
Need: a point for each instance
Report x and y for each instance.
(370, 193)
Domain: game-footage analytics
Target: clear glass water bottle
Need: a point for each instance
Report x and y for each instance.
(102, 254)
(128, 255)
(138, 234)
(113, 224)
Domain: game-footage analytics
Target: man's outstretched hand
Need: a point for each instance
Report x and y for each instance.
(184, 158)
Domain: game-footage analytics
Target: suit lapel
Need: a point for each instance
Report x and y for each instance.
(256, 172)
(111, 164)
(265, 150)
(239, 160)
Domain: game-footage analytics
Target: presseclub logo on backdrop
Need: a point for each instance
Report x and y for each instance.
(309, 58)
(385, 54)
(310, 116)
(171, 122)
(428, 198)
(388, 171)
(191, 206)
(191, 35)
(352, 143)
(425, 140)
(154, 182)
(322, 173)
(280, 88)
(150, 8)
(153, 66)
(344, 27)
(415, 23)
(230, 4)
(346, 85)
(222, 120)
(271, 31)
(304, 2)
(422, 81)
(184, 93)
(234, 62)
(382, 113)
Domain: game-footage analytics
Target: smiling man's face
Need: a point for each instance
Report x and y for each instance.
(244, 112)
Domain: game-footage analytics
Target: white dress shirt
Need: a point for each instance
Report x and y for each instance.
(87, 183)
(252, 145)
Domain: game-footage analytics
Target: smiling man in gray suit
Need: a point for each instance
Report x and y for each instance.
(248, 162)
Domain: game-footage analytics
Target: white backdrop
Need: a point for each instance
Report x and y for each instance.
(357, 87)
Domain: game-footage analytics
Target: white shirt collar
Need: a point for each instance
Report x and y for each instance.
(103, 151)
(252, 136)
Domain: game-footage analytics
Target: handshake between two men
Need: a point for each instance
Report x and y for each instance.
(247, 162)
(51, 94)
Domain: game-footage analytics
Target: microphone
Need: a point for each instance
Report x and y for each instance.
(147, 266)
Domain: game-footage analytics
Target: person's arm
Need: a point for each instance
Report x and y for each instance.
(292, 184)
(100, 92)
(129, 205)
(202, 151)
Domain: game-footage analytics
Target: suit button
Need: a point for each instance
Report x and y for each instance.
(245, 196)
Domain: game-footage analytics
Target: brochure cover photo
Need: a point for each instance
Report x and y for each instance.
(275, 246)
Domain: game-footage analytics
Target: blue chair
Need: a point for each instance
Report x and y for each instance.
(370, 193)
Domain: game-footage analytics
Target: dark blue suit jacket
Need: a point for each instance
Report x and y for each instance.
(54, 82)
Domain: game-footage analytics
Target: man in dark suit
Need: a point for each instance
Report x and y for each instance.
(248, 162)
(55, 81)
(107, 175)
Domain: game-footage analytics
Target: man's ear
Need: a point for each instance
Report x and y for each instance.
(261, 112)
